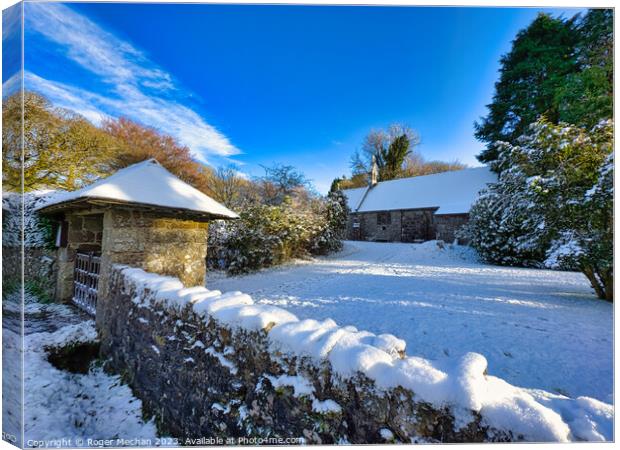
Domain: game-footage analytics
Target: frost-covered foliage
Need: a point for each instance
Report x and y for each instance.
(268, 235)
(552, 204)
(38, 231)
(586, 239)
(334, 219)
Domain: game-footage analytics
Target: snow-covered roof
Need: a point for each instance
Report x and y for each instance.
(148, 184)
(452, 192)
(354, 197)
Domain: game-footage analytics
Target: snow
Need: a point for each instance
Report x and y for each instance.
(34, 230)
(59, 404)
(540, 329)
(566, 246)
(234, 309)
(386, 434)
(301, 386)
(222, 360)
(147, 183)
(452, 192)
(462, 293)
(307, 337)
(326, 406)
(354, 197)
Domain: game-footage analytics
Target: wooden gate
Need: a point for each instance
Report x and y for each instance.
(86, 281)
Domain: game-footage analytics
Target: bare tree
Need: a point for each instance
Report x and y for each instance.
(230, 187)
(389, 147)
(281, 181)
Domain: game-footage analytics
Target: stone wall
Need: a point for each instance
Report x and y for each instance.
(417, 225)
(145, 239)
(84, 234)
(162, 245)
(22, 230)
(40, 268)
(201, 378)
(209, 365)
(447, 225)
(388, 230)
(402, 226)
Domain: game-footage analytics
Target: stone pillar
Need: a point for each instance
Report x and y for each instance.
(163, 245)
(84, 234)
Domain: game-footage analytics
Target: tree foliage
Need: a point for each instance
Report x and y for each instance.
(268, 235)
(586, 96)
(282, 182)
(552, 204)
(233, 189)
(389, 148)
(549, 136)
(61, 150)
(558, 68)
(136, 142)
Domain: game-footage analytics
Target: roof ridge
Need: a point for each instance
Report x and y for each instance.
(422, 176)
(446, 172)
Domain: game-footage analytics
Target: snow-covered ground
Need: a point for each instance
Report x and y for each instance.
(537, 328)
(63, 409)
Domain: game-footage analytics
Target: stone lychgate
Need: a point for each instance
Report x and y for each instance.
(142, 216)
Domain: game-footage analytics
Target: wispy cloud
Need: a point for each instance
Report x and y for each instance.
(12, 85)
(134, 85)
(11, 22)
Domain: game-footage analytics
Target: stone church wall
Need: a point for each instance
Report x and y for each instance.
(447, 225)
(415, 225)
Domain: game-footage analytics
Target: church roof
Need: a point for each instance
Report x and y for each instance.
(146, 184)
(452, 192)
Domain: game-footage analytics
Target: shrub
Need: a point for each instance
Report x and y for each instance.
(552, 204)
(269, 235)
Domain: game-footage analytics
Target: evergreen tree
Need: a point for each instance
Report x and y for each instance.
(389, 148)
(393, 157)
(586, 97)
(560, 69)
(541, 57)
(553, 204)
(335, 186)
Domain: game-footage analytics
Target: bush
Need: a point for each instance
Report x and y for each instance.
(266, 235)
(553, 203)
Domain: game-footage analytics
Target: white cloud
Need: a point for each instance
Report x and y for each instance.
(137, 88)
(11, 22)
(243, 175)
(12, 85)
(70, 97)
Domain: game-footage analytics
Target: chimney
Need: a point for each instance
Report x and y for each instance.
(374, 172)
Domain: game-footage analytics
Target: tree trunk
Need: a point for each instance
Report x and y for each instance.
(603, 284)
(608, 281)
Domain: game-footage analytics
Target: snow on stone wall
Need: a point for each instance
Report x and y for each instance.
(207, 363)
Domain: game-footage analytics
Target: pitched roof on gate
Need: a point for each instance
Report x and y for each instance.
(147, 184)
(452, 192)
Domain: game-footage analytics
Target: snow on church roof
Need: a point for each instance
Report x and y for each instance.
(146, 183)
(452, 192)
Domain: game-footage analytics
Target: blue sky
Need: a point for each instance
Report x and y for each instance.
(255, 85)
